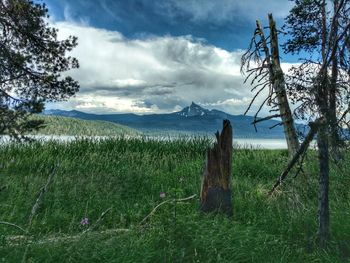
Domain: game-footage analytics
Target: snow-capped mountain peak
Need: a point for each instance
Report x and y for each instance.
(193, 110)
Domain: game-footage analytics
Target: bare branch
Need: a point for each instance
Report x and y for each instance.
(266, 118)
(274, 126)
(165, 202)
(43, 190)
(254, 98)
(303, 148)
(13, 225)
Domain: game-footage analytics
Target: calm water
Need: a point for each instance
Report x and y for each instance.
(237, 143)
(260, 143)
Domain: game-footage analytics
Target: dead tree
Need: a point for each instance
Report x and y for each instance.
(262, 65)
(216, 184)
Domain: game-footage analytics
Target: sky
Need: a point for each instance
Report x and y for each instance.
(157, 56)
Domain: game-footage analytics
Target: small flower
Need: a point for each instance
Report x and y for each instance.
(162, 195)
(84, 221)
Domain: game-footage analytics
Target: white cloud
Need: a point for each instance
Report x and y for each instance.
(103, 104)
(159, 74)
(128, 82)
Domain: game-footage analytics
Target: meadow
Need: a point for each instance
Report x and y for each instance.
(100, 205)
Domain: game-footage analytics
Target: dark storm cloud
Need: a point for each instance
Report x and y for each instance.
(130, 92)
(223, 23)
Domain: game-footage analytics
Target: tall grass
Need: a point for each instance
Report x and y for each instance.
(128, 177)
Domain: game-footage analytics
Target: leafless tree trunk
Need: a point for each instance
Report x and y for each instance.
(269, 73)
(314, 126)
(216, 184)
(279, 86)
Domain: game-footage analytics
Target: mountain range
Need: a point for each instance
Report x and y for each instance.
(192, 119)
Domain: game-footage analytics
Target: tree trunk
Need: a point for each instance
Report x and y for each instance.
(323, 100)
(334, 136)
(332, 114)
(216, 184)
(279, 86)
(323, 204)
(278, 83)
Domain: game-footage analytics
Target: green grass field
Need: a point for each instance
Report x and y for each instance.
(124, 178)
(58, 125)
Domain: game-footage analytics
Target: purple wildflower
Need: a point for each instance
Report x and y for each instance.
(162, 195)
(84, 221)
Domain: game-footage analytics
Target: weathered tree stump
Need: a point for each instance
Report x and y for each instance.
(216, 184)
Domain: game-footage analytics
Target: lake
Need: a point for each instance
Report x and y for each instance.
(245, 143)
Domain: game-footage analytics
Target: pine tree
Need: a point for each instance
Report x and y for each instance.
(320, 85)
(32, 61)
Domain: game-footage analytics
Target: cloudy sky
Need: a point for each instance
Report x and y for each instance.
(157, 56)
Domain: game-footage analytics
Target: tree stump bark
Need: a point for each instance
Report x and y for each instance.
(216, 184)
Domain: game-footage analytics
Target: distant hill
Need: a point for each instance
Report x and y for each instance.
(191, 119)
(59, 125)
